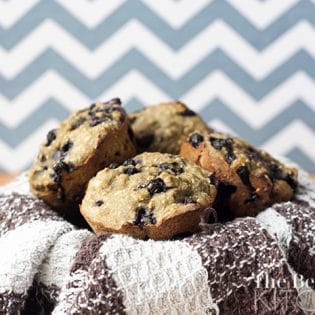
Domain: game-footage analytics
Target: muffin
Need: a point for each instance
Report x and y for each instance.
(86, 142)
(250, 179)
(153, 195)
(162, 127)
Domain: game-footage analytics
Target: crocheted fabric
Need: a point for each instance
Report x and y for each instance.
(262, 265)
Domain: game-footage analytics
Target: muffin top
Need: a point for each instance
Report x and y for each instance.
(244, 158)
(251, 179)
(162, 127)
(77, 138)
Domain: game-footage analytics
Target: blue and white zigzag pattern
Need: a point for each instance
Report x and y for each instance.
(247, 66)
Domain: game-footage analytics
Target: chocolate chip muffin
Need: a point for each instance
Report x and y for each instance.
(250, 179)
(162, 127)
(86, 142)
(152, 195)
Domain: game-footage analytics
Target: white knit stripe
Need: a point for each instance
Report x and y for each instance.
(79, 277)
(23, 250)
(56, 267)
(277, 227)
(19, 185)
(158, 277)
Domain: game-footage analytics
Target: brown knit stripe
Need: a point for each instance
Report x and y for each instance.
(88, 251)
(98, 291)
(234, 255)
(17, 209)
(11, 303)
(301, 253)
(41, 299)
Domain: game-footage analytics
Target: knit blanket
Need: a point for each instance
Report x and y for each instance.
(262, 265)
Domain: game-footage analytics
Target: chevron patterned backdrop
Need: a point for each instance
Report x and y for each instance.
(247, 66)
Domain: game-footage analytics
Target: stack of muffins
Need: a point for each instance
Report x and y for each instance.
(155, 173)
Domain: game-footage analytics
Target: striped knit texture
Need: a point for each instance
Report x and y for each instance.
(247, 67)
(50, 266)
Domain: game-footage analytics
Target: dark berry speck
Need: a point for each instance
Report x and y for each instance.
(130, 171)
(173, 167)
(156, 186)
(219, 144)
(243, 173)
(97, 120)
(51, 136)
(113, 165)
(99, 203)
(253, 154)
(195, 139)
(187, 112)
(67, 146)
(278, 174)
(63, 166)
(92, 106)
(129, 162)
(143, 217)
(115, 100)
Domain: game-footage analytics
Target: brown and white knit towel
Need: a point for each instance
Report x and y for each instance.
(247, 266)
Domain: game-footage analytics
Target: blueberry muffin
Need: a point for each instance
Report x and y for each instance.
(86, 142)
(162, 127)
(153, 195)
(250, 179)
